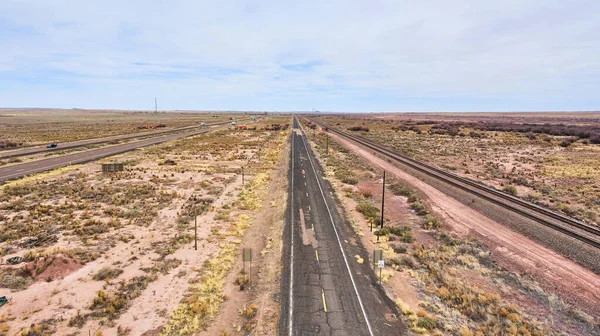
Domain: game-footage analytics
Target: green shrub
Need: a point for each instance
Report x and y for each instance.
(400, 248)
(15, 282)
(510, 189)
(431, 222)
(403, 232)
(419, 208)
(400, 189)
(77, 320)
(426, 322)
(107, 272)
(368, 210)
(382, 232)
(413, 198)
(346, 176)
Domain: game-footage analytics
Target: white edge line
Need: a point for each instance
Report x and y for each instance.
(291, 196)
(362, 308)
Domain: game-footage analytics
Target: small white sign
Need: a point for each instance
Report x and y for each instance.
(380, 264)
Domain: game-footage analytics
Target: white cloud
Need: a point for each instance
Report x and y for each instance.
(380, 55)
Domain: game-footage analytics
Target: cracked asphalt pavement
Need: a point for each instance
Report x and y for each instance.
(324, 290)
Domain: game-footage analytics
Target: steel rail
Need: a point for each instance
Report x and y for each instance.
(507, 201)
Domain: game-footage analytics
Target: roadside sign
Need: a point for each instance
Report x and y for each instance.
(377, 255)
(381, 265)
(247, 254)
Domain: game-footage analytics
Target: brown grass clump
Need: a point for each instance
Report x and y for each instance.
(107, 272)
(112, 305)
(249, 311)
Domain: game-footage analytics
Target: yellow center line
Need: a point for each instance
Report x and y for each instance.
(317, 254)
(306, 194)
(304, 183)
(324, 302)
(309, 208)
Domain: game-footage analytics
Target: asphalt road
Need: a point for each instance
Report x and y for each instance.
(324, 290)
(20, 170)
(68, 145)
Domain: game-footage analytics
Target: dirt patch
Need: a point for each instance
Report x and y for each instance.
(58, 268)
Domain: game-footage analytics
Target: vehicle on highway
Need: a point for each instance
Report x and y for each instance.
(233, 123)
(51, 145)
(203, 124)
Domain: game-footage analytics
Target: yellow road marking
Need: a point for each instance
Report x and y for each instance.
(306, 194)
(324, 303)
(304, 183)
(309, 208)
(317, 254)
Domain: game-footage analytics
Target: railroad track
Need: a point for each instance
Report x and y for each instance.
(572, 227)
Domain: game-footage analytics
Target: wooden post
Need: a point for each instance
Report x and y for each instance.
(196, 229)
(242, 175)
(326, 146)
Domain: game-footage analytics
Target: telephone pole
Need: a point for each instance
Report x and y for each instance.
(382, 199)
(155, 105)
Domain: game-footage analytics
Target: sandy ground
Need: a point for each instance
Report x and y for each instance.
(511, 250)
(163, 295)
(61, 299)
(67, 288)
(264, 237)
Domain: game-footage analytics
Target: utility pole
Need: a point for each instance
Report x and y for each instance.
(242, 175)
(155, 105)
(327, 146)
(382, 199)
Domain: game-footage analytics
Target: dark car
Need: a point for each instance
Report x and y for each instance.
(52, 145)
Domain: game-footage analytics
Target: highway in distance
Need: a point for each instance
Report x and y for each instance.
(20, 170)
(324, 290)
(74, 144)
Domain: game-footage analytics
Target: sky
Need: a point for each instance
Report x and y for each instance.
(279, 55)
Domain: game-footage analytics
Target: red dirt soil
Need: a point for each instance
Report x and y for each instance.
(59, 267)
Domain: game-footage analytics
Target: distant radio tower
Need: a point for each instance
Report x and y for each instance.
(155, 105)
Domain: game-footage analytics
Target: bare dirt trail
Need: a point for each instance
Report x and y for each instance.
(512, 250)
